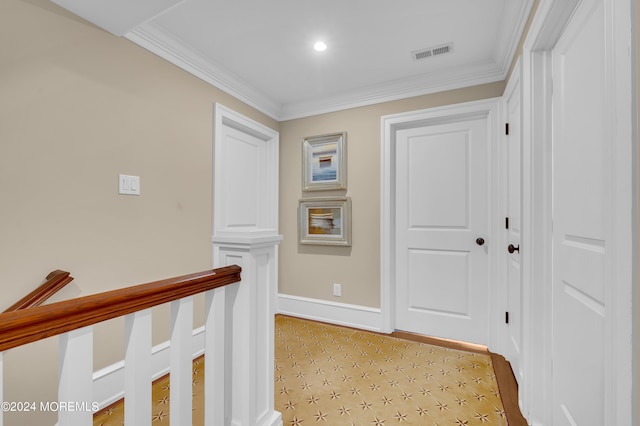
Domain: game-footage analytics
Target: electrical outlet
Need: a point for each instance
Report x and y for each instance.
(337, 290)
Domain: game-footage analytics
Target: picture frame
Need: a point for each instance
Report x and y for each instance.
(325, 221)
(324, 162)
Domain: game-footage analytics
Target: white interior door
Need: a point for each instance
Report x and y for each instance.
(513, 226)
(580, 209)
(441, 210)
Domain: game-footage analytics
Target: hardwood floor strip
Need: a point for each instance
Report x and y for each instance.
(508, 387)
(445, 343)
(507, 383)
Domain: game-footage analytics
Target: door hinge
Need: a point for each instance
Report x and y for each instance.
(506, 317)
(506, 223)
(506, 129)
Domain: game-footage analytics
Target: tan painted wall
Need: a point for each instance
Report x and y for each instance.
(78, 106)
(310, 271)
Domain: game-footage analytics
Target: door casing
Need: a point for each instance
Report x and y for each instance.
(491, 108)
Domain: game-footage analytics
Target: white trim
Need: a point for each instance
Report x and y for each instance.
(158, 40)
(266, 196)
(139, 26)
(242, 242)
(249, 191)
(622, 222)
(536, 234)
(355, 316)
(389, 124)
(108, 382)
(161, 42)
(508, 41)
(424, 84)
(621, 358)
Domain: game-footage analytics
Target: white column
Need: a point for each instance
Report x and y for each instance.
(75, 378)
(181, 362)
(252, 316)
(137, 364)
(245, 232)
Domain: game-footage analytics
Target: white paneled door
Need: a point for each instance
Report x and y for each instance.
(580, 211)
(441, 229)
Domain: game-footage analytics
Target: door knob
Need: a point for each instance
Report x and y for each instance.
(513, 248)
(480, 241)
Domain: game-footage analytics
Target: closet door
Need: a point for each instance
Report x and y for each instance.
(442, 260)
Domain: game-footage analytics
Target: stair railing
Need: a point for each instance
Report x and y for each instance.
(54, 282)
(72, 320)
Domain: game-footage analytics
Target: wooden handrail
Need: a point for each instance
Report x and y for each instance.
(29, 325)
(55, 281)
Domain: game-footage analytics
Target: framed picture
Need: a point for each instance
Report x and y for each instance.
(325, 221)
(324, 162)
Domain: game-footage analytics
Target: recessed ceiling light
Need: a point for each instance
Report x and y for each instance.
(320, 46)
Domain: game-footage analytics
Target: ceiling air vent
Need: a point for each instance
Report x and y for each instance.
(432, 51)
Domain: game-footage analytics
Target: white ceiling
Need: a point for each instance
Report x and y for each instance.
(262, 51)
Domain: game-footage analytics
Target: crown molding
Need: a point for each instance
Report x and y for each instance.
(165, 44)
(509, 37)
(472, 75)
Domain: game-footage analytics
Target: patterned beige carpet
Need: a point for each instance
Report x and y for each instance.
(114, 414)
(339, 376)
(332, 375)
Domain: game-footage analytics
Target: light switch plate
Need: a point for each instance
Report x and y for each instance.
(128, 185)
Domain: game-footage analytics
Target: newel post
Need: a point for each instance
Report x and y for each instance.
(245, 233)
(250, 307)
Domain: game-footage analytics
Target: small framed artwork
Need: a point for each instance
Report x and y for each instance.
(325, 221)
(324, 162)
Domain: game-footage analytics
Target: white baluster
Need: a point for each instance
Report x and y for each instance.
(181, 361)
(137, 364)
(75, 378)
(215, 357)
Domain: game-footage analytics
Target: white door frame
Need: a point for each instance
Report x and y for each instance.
(620, 393)
(490, 108)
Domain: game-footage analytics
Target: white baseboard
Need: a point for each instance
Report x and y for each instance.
(108, 383)
(356, 316)
(273, 418)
